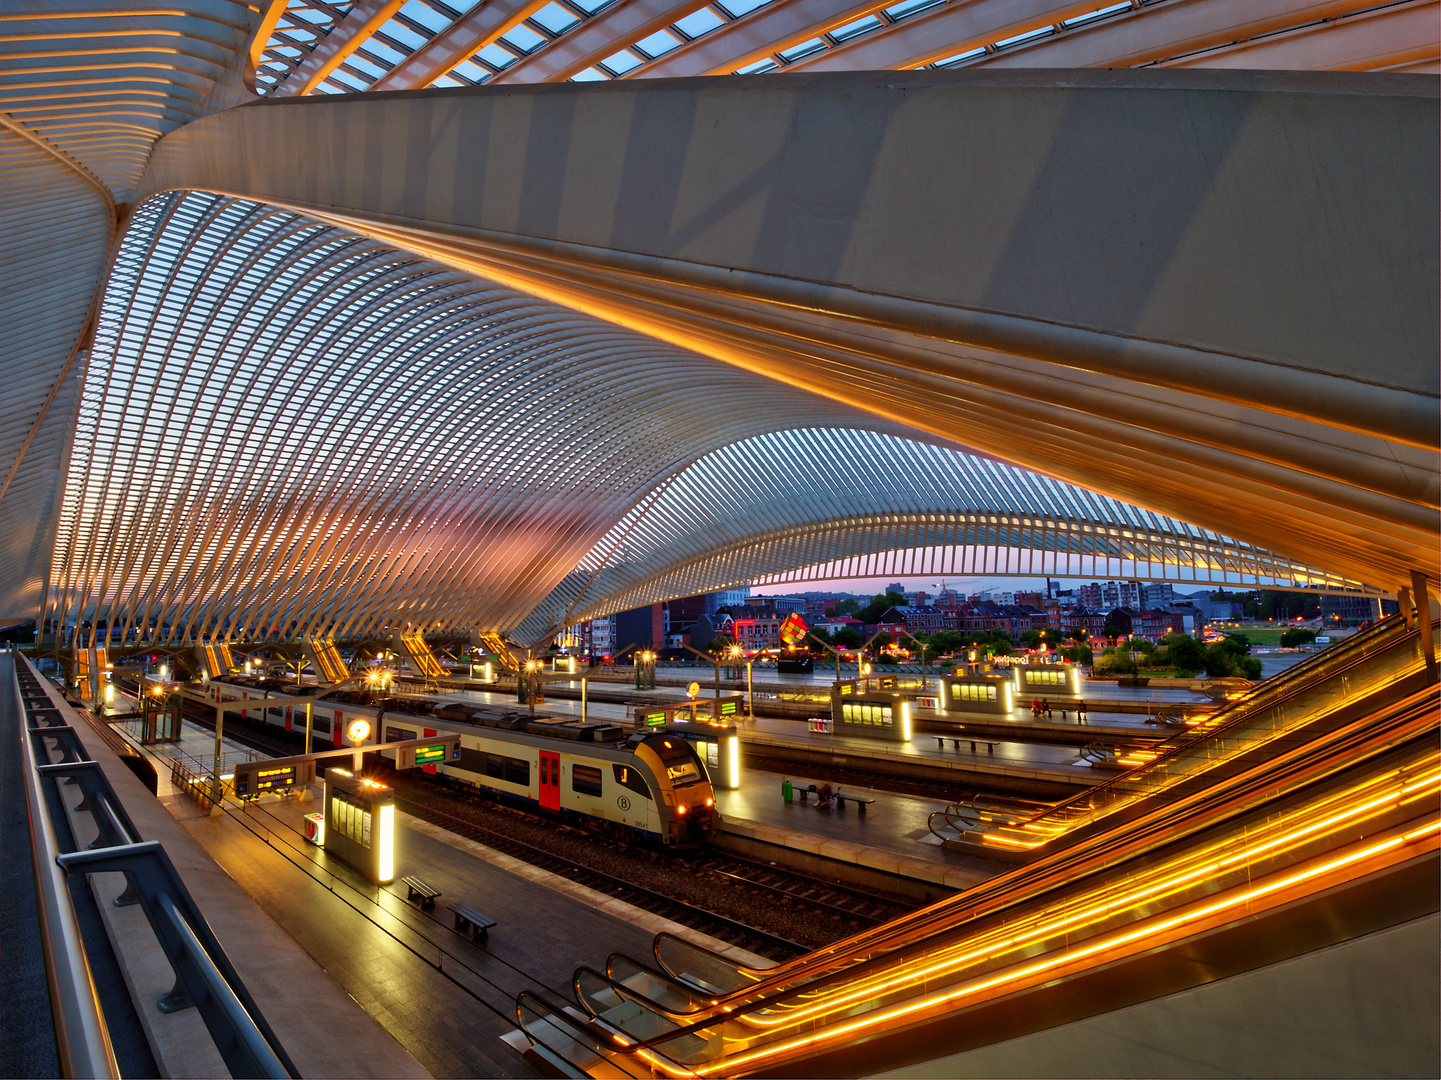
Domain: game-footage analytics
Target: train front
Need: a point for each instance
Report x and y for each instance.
(687, 801)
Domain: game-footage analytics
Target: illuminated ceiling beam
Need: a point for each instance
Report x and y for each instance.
(1113, 278)
(602, 35)
(944, 33)
(1129, 40)
(759, 35)
(457, 43)
(1376, 41)
(353, 31)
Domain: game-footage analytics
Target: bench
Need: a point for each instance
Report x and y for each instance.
(941, 744)
(470, 922)
(840, 798)
(415, 887)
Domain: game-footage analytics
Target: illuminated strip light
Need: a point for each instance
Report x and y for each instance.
(385, 841)
(1111, 942)
(1424, 785)
(735, 762)
(1149, 893)
(905, 721)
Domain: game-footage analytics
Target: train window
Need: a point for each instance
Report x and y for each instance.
(320, 724)
(494, 766)
(517, 771)
(399, 734)
(681, 765)
(630, 777)
(585, 779)
(476, 761)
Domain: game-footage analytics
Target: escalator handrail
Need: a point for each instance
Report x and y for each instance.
(954, 923)
(1402, 720)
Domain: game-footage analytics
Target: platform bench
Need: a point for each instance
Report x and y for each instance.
(415, 887)
(861, 804)
(470, 922)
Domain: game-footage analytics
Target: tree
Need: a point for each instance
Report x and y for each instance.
(1185, 653)
(1219, 661)
(1294, 636)
(847, 637)
(879, 605)
(1031, 638)
(849, 606)
(948, 641)
(1236, 644)
(881, 642)
(1079, 654)
(719, 646)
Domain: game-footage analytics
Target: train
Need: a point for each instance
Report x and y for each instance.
(646, 785)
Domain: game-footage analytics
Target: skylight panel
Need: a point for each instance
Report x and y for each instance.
(402, 34)
(471, 71)
(911, 7)
(857, 28)
(758, 67)
(379, 50)
(658, 44)
(497, 56)
(523, 38)
(737, 8)
(364, 66)
(1029, 35)
(960, 58)
(805, 48)
(350, 82)
(588, 75)
(426, 16)
(698, 23)
(621, 62)
(555, 18)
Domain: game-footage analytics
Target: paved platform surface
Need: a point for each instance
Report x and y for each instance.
(446, 999)
(1028, 761)
(891, 836)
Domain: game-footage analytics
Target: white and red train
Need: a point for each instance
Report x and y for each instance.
(649, 785)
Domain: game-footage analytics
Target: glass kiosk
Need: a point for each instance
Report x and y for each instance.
(359, 824)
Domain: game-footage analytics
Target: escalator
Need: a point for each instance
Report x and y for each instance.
(1315, 831)
(1328, 689)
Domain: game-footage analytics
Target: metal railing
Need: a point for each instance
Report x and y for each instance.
(204, 975)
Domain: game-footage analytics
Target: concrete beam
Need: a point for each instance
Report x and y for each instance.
(1180, 289)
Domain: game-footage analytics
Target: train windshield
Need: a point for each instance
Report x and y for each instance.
(682, 767)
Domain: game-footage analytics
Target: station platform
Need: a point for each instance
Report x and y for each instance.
(322, 1028)
(450, 1001)
(891, 837)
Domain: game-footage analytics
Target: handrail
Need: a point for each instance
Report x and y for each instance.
(1410, 726)
(81, 1035)
(204, 976)
(1360, 740)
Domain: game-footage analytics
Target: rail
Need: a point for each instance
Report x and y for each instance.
(204, 975)
(1314, 819)
(1279, 709)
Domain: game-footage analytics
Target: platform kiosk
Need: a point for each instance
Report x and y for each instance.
(872, 708)
(359, 826)
(1041, 680)
(725, 709)
(718, 745)
(977, 693)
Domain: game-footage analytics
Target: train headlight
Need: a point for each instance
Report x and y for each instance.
(710, 802)
(680, 808)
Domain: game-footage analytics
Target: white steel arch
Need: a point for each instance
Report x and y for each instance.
(288, 429)
(811, 505)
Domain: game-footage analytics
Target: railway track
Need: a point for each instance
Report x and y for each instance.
(869, 908)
